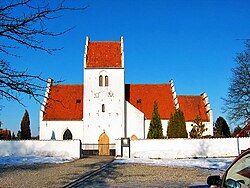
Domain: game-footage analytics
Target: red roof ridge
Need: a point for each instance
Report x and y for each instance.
(150, 84)
(189, 96)
(66, 85)
(105, 41)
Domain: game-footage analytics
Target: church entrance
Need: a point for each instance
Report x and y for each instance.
(67, 135)
(103, 144)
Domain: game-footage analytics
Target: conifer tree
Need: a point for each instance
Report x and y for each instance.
(18, 135)
(25, 126)
(198, 128)
(13, 137)
(221, 128)
(1, 134)
(177, 125)
(155, 128)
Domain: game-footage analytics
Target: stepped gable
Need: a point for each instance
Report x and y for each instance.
(104, 55)
(193, 106)
(142, 96)
(65, 102)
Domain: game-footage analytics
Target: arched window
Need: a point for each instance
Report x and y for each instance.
(100, 80)
(106, 80)
(67, 135)
(103, 107)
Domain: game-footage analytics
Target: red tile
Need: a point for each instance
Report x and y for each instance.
(65, 103)
(104, 55)
(193, 106)
(142, 96)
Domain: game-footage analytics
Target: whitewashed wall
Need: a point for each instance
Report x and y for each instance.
(113, 96)
(65, 148)
(135, 122)
(208, 125)
(54, 130)
(187, 148)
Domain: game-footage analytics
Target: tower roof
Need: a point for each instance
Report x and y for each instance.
(104, 55)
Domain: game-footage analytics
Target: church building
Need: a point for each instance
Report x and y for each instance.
(104, 104)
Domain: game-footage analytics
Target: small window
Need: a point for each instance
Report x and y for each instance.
(100, 80)
(103, 108)
(106, 80)
(138, 101)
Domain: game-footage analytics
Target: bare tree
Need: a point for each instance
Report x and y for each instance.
(24, 23)
(237, 103)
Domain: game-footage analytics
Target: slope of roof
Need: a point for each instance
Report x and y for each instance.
(142, 96)
(104, 55)
(245, 131)
(193, 106)
(65, 102)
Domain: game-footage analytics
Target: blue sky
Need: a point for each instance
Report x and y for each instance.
(192, 42)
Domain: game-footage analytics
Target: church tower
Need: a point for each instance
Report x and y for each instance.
(104, 91)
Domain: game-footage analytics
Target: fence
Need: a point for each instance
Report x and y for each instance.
(62, 148)
(186, 148)
(93, 149)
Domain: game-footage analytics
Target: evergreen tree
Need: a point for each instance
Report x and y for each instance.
(25, 126)
(1, 134)
(198, 128)
(18, 135)
(155, 128)
(13, 137)
(221, 128)
(177, 125)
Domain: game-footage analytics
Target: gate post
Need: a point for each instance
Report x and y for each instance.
(125, 144)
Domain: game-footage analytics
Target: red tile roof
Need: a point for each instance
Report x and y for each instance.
(245, 131)
(193, 106)
(6, 134)
(142, 96)
(104, 55)
(65, 103)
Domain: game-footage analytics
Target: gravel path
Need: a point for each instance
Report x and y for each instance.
(139, 175)
(49, 175)
(114, 175)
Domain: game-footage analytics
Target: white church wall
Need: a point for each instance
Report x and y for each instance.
(208, 125)
(188, 148)
(112, 96)
(54, 130)
(65, 148)
(134, 121)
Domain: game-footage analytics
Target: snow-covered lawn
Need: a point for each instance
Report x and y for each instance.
(207, 163)
(28, 160)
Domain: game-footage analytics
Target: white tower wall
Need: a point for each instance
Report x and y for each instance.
(112, 97)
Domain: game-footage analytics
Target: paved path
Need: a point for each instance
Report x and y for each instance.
(138, 175)
(49, 175)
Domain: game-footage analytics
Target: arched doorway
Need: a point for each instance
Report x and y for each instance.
(103, 144)
(67, 135)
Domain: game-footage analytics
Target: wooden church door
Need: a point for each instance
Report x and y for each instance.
(103, 144)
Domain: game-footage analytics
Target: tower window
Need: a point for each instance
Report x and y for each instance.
(100, 80)
(103, 107)
(106, 80)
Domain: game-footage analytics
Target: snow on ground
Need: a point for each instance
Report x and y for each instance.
(30, 159)
(207, 163)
